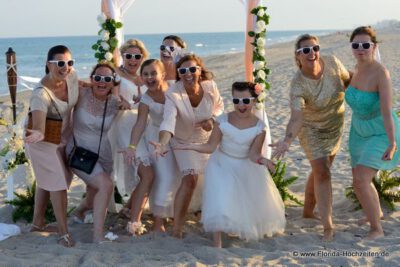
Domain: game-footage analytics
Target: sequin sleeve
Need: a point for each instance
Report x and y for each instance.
(296, 96)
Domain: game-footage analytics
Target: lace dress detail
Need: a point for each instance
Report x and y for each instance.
(88, 119)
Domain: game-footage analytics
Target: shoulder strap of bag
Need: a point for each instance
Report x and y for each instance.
(52, 101)
(102, 127)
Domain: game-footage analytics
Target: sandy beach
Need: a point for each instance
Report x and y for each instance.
(300, 244)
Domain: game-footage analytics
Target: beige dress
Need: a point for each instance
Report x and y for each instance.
(48, 160)
(321, 102)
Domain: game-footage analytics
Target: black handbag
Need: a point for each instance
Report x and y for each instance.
(83, 159)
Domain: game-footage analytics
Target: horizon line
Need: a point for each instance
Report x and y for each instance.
(58, 36)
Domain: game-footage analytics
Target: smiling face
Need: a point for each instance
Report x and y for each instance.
(152, 76)
(102, 89)
(362, 54)
(57, 72)
(133, 64)
(241, 109)
(189, 79)
(310, 59)
(166, 54)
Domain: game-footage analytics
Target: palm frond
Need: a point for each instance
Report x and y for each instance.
(282, 184)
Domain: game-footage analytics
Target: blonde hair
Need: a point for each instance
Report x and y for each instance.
(135, 43)
(299, 40)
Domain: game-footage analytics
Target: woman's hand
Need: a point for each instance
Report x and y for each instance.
(206, 125)
(267, 163)
(129, 154)
(388, 155)
(136, 98)
(160, 150)
(270, 165)
(280, 148)
(33, 136)
(123, 104)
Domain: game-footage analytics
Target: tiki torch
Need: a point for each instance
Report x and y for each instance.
(12, 79)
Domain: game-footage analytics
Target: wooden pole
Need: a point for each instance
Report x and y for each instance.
(12, 80)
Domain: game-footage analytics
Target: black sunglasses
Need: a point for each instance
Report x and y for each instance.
(62, 63)
(366, 45)
(99, 78)
(307, 50)
(170, 48)
(246, 100)
(190, 69)
(130, 56)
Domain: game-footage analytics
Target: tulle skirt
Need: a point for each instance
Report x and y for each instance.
(240, 197)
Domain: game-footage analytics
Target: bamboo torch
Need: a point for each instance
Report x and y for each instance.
(12, 79)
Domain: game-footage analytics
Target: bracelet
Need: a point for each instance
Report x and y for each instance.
(131, 146)
(259, 160)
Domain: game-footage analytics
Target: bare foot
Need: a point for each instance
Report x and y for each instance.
(311, 216)
(177, 234)
(374, 234)
(328, 235)
(159, 228)
(364, 220)
(66, 241)
(44, 228)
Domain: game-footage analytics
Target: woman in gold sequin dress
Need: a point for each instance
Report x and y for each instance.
(317, 117)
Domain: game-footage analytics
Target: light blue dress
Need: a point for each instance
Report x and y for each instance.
(368, 139)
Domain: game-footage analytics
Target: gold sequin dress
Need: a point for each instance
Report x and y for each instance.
(322, 104)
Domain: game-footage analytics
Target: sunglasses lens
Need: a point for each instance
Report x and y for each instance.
(138, 56)
(306, 50)
(60, 63)
(128, 56)
(354, 45)
(182, 71)
(172, 49)
(97, 78)
(192, 69)
(70, 63)
(366, 45)
(162, 47)
(235, 101)
(246, 101)
(316, 48)
(107, 79)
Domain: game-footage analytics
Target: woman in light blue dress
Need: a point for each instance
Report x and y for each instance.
(374, 132)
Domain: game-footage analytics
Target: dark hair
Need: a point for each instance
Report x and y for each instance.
(205, 73)
(245, 86)
(105, 65)
(299, 40)
(367, 30)
(151, 61)
(177, 39)
(58, 49)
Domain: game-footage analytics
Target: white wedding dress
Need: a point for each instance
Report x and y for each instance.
(239, 195)
(120, 137)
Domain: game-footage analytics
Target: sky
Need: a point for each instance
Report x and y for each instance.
(34, 18)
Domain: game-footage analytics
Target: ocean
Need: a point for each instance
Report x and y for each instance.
(31, 52)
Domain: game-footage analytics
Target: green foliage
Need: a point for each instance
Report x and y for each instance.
(282, 184)
(20, 158)
(24, 206)
(384, 183)
(108, 41)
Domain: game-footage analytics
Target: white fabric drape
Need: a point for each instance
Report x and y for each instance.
(248, 63)
(115, 9)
